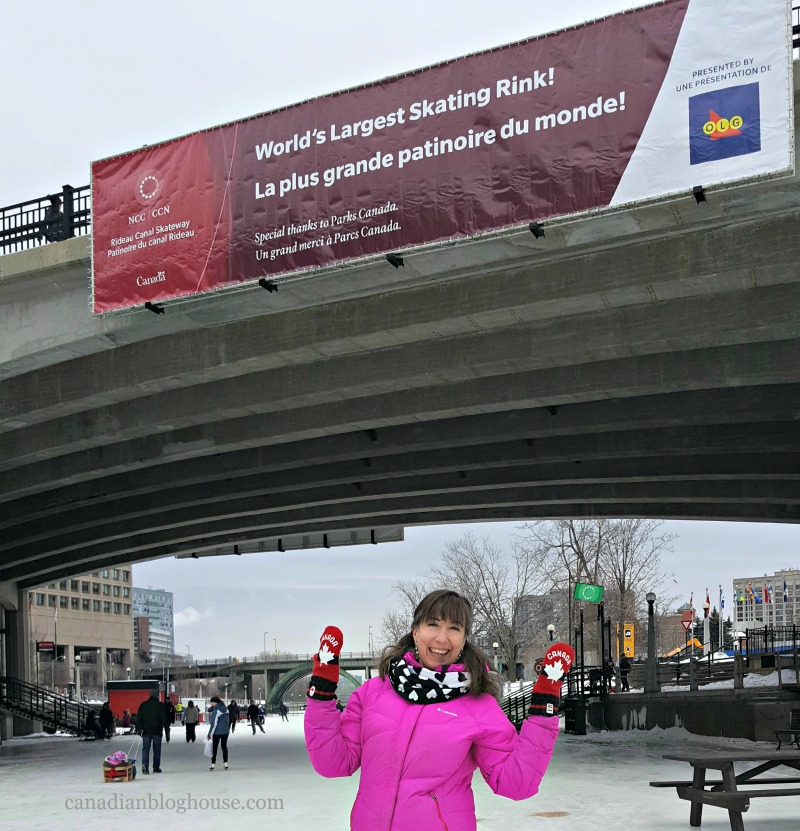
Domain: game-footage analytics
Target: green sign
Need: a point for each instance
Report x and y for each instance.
(587, 591)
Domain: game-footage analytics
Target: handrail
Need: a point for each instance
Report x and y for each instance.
(53, 710)
(51, 218)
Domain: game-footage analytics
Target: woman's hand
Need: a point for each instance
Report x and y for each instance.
(325, 675)
(547, 689)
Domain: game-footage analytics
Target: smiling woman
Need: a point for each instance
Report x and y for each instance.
(434, 705)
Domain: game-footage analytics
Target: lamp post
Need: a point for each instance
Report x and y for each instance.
(128, 670)
(495, 646)
(706, 626)
(651, 684)
(275, 644)
(550, 630)
(77, 677)
(265, 665)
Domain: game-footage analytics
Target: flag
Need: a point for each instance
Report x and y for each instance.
(708, 600)
(766, 592)
(753, 596)
(721, 601)
(785, 592)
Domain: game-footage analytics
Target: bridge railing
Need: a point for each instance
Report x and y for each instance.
(35, 223)
(280, 657)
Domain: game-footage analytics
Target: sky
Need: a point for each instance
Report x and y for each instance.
(92, 79)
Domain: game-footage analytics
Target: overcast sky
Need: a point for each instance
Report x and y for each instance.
(87, 80)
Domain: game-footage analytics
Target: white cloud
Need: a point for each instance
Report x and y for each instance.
(189, 616)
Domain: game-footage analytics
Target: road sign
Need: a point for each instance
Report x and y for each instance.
(589, 592)
(45, 646)
(687, 625)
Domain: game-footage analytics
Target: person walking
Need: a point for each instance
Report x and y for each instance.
(624, 669)
(150, 726)
(233, 714)
(169, 716)
(191, 717)
(284, 711)
(253, 718)
(218, 728)
(419, 729)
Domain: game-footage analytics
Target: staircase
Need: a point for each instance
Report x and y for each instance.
(56, 712)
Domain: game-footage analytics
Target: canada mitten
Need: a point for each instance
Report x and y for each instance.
(556, 664)
(325, 675)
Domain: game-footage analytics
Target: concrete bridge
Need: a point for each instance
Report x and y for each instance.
(641, 362)
(274, 675)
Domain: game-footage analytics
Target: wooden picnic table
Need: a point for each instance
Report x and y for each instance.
(724, 792)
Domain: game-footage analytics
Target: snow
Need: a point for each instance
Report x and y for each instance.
(595, 781)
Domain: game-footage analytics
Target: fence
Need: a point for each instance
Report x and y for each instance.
(46, 219)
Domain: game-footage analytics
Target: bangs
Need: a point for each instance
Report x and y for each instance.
(444, 605)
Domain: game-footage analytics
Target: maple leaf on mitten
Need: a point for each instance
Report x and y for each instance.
(325, 675)
(546, 694)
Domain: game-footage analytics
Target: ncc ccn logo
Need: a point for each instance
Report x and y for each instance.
(724, 123)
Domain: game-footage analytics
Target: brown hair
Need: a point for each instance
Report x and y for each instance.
(444, 604)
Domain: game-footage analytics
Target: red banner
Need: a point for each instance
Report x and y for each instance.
(537, 129)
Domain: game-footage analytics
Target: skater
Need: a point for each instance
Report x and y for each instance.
(252, 717)
(262, 714)
(127, 722)
(624, 669)
(150, 726)
(218, 727)
(92, 726)
(434, 705)
(169, 717)
(191, 716)
(233, 714)
(284, 711)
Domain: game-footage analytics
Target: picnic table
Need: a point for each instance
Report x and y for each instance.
(724, 792)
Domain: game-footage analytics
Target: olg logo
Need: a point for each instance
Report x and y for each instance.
(717, 127)
(724, 123)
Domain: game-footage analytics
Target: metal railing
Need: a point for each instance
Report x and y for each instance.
(47, 219)
(772, 639)
(54, 711)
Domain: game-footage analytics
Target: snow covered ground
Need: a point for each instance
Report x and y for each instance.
(598, 781)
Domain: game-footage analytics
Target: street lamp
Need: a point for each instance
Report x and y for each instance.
(369, 641)
(275, 644)
(128, 670)
(550, 630)
(265, 663)
(78, 677)
(706, 626)
(495, 645)
(651, 684)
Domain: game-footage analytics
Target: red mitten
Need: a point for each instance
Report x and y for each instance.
(547, 689)
(325, 675)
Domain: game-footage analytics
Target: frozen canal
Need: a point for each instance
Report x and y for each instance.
(595, 782)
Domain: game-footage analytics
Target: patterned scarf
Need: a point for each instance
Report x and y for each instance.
(419, 685)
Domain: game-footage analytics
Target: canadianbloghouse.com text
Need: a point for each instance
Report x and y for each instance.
(177, 804)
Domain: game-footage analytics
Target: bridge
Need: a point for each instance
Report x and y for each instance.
(638, 362)
(248, 674)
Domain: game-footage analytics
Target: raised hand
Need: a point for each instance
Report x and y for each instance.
(325, 675)
(547, 689)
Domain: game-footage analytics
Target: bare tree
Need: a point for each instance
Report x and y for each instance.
(623, 555)
(397, 622)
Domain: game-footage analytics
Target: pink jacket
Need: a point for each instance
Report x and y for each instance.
(417, 760)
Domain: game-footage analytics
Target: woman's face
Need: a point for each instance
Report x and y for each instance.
(439, 642)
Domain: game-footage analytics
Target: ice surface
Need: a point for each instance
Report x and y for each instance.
(598, 781)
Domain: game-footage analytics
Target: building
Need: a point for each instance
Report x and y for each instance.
(157, 606)
(766, 600)
(81, 631)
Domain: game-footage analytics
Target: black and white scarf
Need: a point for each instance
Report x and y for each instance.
(419, 685)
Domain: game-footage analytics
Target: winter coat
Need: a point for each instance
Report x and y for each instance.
(218, 723)
(417, 760)
(106, 718)
(252, 712)
(150, 718)
(191, 715)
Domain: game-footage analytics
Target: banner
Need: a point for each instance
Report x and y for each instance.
(633, 107)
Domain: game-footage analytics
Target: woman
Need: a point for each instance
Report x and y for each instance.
(191, 716)
(218, 728)
(127, 722)
(420, 728)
